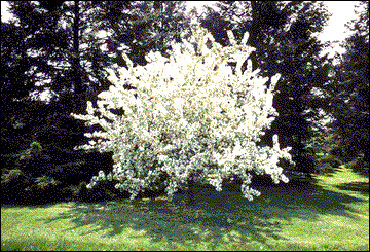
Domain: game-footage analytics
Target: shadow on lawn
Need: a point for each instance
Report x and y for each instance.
(215, 216)
(362, 187)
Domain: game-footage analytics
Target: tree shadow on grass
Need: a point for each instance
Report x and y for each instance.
(215, 218)
(362, 187)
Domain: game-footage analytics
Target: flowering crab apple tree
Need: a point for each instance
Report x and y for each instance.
(194, 116)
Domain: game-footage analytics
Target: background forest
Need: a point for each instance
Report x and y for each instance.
(64, 48)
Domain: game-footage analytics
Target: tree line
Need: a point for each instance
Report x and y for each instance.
(60, 47)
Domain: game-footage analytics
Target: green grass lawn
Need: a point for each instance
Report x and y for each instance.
(332, 214)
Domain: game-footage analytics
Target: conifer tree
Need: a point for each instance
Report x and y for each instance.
(283, 34)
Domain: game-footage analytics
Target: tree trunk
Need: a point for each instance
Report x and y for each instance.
(255, 30)
(76, 51)
(190, 193)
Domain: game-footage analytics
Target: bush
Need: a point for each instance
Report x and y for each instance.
(194, 114)
(15, 186)
(19, 188)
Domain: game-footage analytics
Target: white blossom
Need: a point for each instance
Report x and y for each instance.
(189, 114)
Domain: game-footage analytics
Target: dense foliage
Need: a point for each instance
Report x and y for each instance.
(57, 47)
(349, 91)
(190, 117)
(284, 35)
(73, 50)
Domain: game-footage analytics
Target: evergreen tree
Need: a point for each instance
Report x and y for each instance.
(283, 34)
(349, 91)
(136, 27)
(42, 51)
(58, 47)
(15, 87)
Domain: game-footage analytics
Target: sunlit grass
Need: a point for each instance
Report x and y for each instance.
(333, 214)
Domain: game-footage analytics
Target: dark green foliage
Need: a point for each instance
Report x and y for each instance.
(43, 150)
(327, 164)
(69, 173)
(31, 160)
(45, 189)
(102, 192)
(323, 147)
(13, 186)
(19, 188)
(359, 165)
(37, 139)
(44, 43)
(65, 59)
(348, 92)
(282, 33)
(14, 84)
(141, 26)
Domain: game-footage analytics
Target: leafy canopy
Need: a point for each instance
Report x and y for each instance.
(194, 116)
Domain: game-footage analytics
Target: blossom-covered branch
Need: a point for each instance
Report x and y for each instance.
(196, 115)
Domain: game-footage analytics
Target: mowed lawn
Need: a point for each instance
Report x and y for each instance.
(332, 214)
